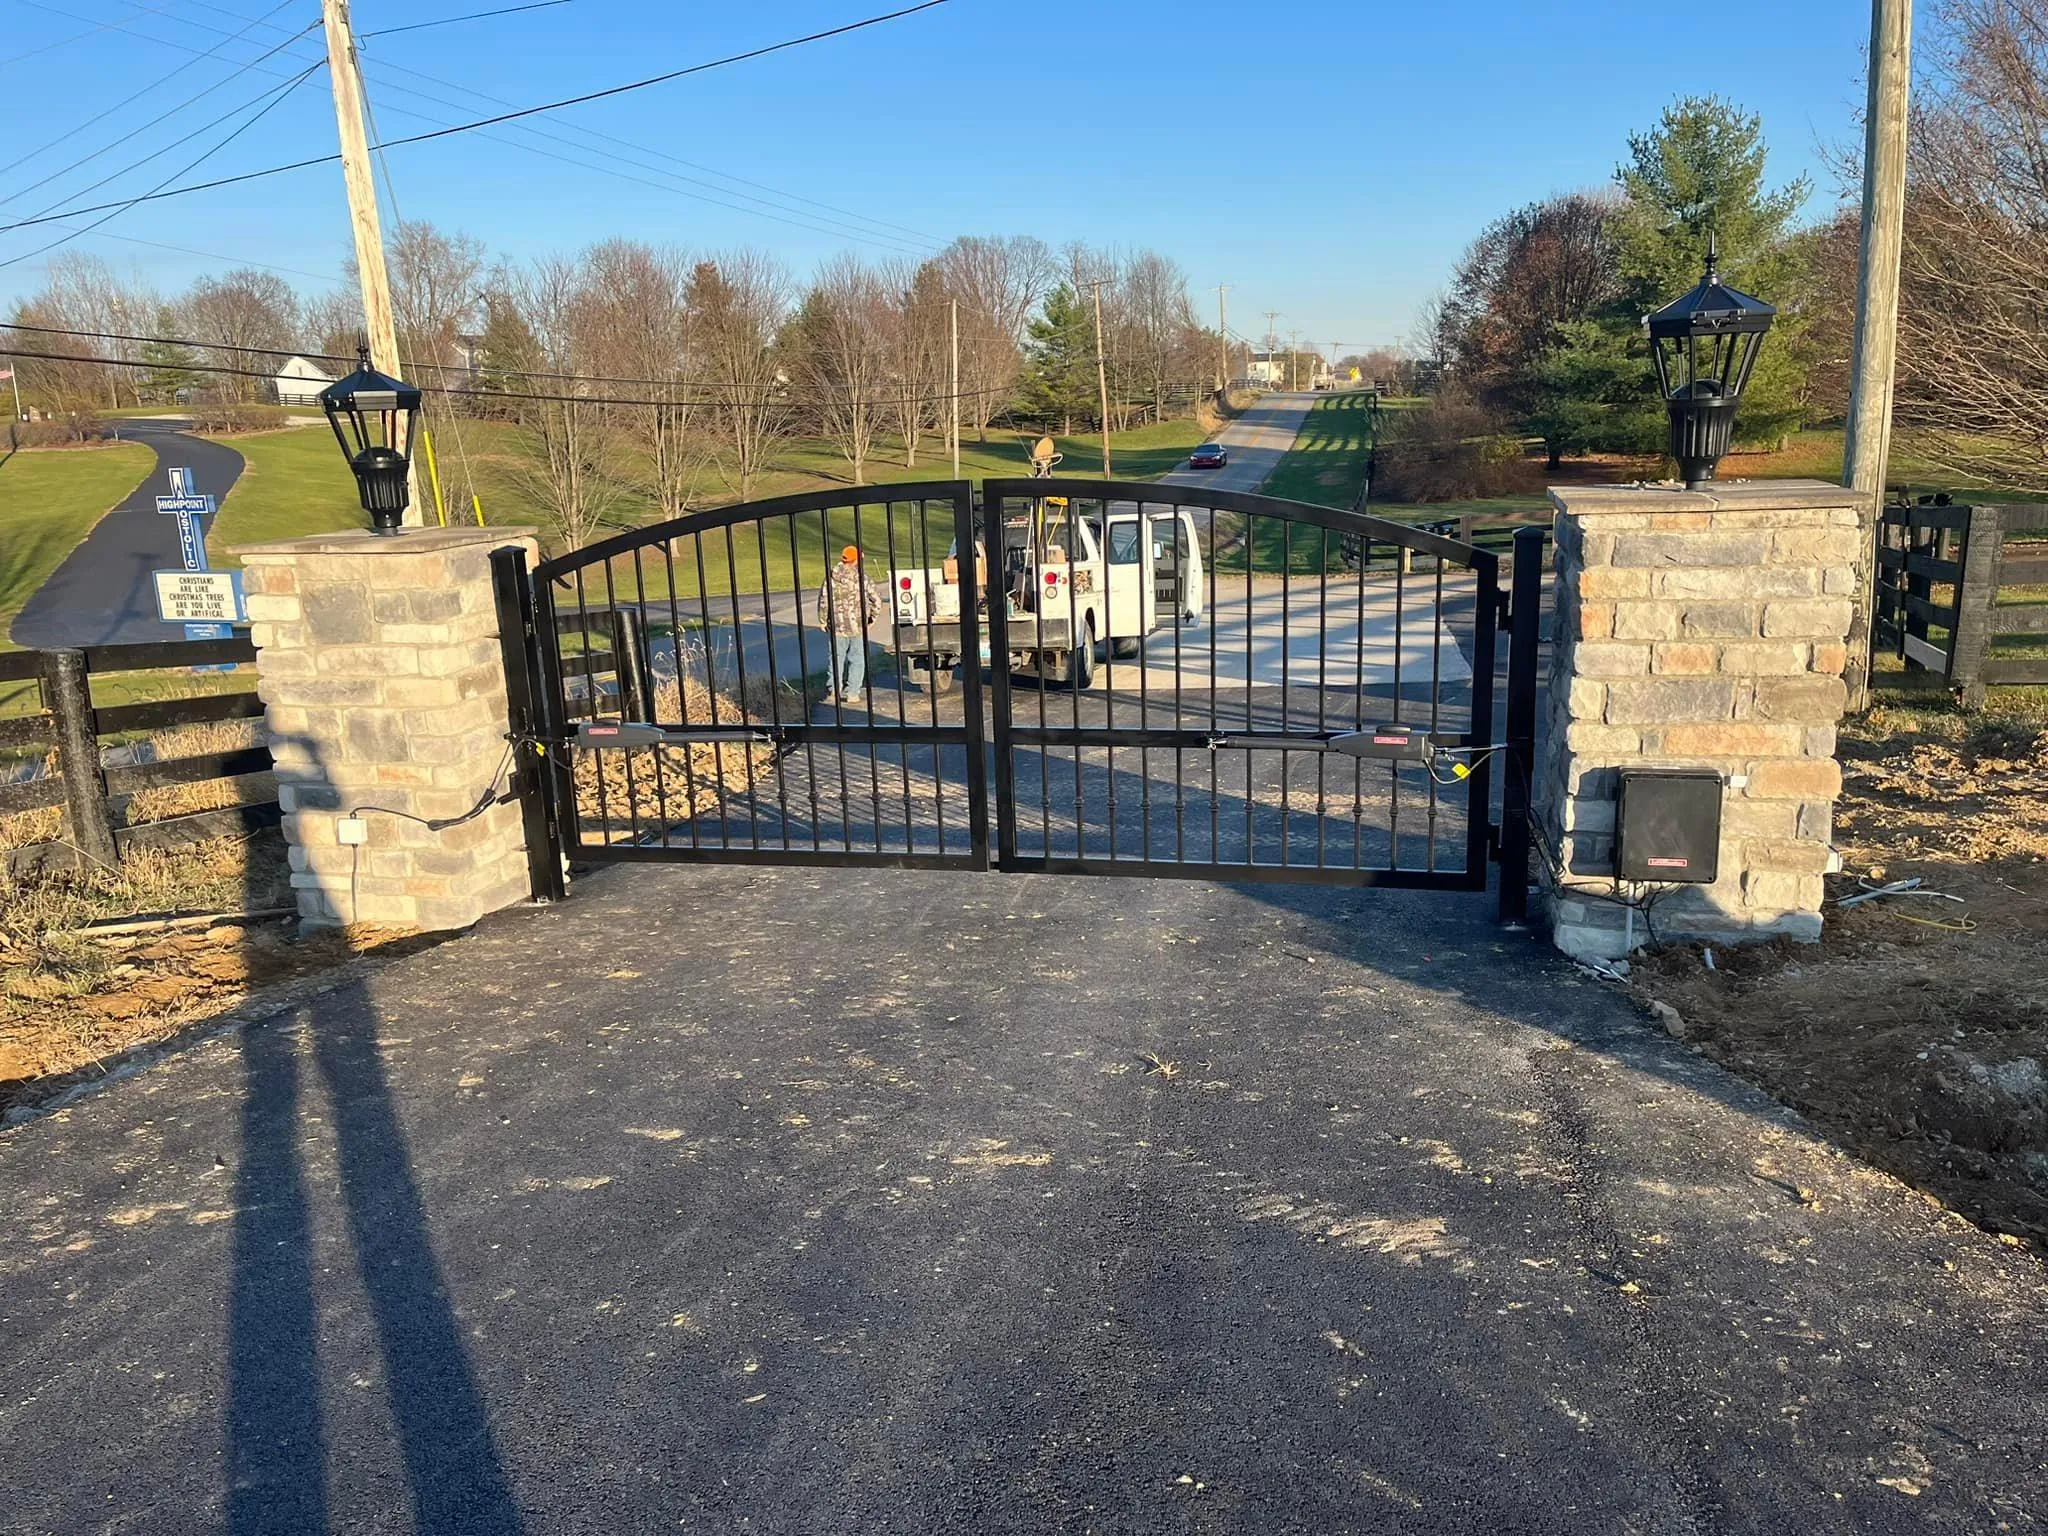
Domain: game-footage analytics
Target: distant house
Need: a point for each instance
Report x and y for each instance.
(299, 382)
(1267, 368)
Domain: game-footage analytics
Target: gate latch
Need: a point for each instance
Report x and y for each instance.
(635, 733)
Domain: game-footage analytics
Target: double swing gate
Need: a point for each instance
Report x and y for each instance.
(1059, 675)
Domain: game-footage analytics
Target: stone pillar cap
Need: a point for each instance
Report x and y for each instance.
(1719, 496)
(414, 541)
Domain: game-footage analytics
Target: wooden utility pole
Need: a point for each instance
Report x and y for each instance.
(1223, 340)
(1866, 445)
(953, 378)
(380, 322)
(1294, 359)
(1101, 378)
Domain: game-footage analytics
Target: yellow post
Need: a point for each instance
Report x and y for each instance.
(434, 477)
(476, 505)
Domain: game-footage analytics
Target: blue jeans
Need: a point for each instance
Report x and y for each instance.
(849, 664)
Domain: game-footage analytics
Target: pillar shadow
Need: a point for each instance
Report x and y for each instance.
(278, 1448)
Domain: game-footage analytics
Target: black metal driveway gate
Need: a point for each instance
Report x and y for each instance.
(1178, 682)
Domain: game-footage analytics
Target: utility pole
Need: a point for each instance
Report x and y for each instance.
(1223, 339)
(343, 68)
(1272, 344)
(1294, 359)
(1866, 445)
(1101, 377)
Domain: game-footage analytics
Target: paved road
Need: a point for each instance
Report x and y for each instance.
(1257, 440)
(103, 593)
(787, 1201)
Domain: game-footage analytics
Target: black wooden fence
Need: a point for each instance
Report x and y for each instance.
(1952, 594)
(96, 797)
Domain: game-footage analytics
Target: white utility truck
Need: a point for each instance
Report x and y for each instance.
(1071, 579)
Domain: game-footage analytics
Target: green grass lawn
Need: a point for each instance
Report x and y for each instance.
(295, 483)
(49, 500)
(1327, 464)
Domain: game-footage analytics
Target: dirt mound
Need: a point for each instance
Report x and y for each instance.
(1917, 1029)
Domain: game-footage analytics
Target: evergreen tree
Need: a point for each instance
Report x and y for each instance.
(1059, 359)
(1699, 174)
(508, 347)
(168, 366)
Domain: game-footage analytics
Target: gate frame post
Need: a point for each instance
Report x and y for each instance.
(1525, 612)
(528, 712)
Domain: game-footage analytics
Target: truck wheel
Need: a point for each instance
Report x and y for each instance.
(1081, 663)
(1126, 648)
(941, 678)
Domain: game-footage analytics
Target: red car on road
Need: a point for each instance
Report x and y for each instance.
(1209, 456)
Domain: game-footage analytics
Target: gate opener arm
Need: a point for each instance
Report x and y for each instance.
(1387, 743)
(633, 733)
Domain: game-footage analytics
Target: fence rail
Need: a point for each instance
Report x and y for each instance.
(1950, 585)
(97, 795)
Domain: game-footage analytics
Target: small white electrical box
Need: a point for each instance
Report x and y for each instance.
(351, 831)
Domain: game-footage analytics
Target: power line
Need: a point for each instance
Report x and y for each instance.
(449, 21)
(486, 122)
(77, 37)
(278, 95)
(137, 165)
(589, 132)
(186, 250)
(764, 397)
(138, 95)
(800, 221)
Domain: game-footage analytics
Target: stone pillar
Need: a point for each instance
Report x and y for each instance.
(1698, 630)
(379, 667)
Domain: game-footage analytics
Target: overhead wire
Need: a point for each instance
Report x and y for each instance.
(761, 398)
(182, 139)
(384, 66)
(135, 96)
(492, 121)
(449, 21)
(277, 97)
(884, 234)
(77, 37)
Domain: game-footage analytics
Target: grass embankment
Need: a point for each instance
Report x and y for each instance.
(1327, 464)
(49, 500)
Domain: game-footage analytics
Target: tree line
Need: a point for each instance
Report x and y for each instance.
(643, 375)
(1538, 336)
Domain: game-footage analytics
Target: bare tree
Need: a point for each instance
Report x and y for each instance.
(999, 282)
(570, 465)
(632, 322)
(84, 293)
(736, 303)
(839, 355)
(435, 283)
(1973, 322)
(331, 324)
(919, 396)
(242, 310)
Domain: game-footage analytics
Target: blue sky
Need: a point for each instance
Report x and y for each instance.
(1326, 158)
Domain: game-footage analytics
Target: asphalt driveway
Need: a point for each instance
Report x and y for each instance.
(104, 592)
(825, 1201)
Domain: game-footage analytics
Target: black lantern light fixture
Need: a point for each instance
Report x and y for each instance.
(371, 414)
(1705, 346)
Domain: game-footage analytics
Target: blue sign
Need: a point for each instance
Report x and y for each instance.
(191, 543)
(209, 632)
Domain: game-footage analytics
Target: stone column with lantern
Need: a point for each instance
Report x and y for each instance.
(385, 700)
(1687, 778)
